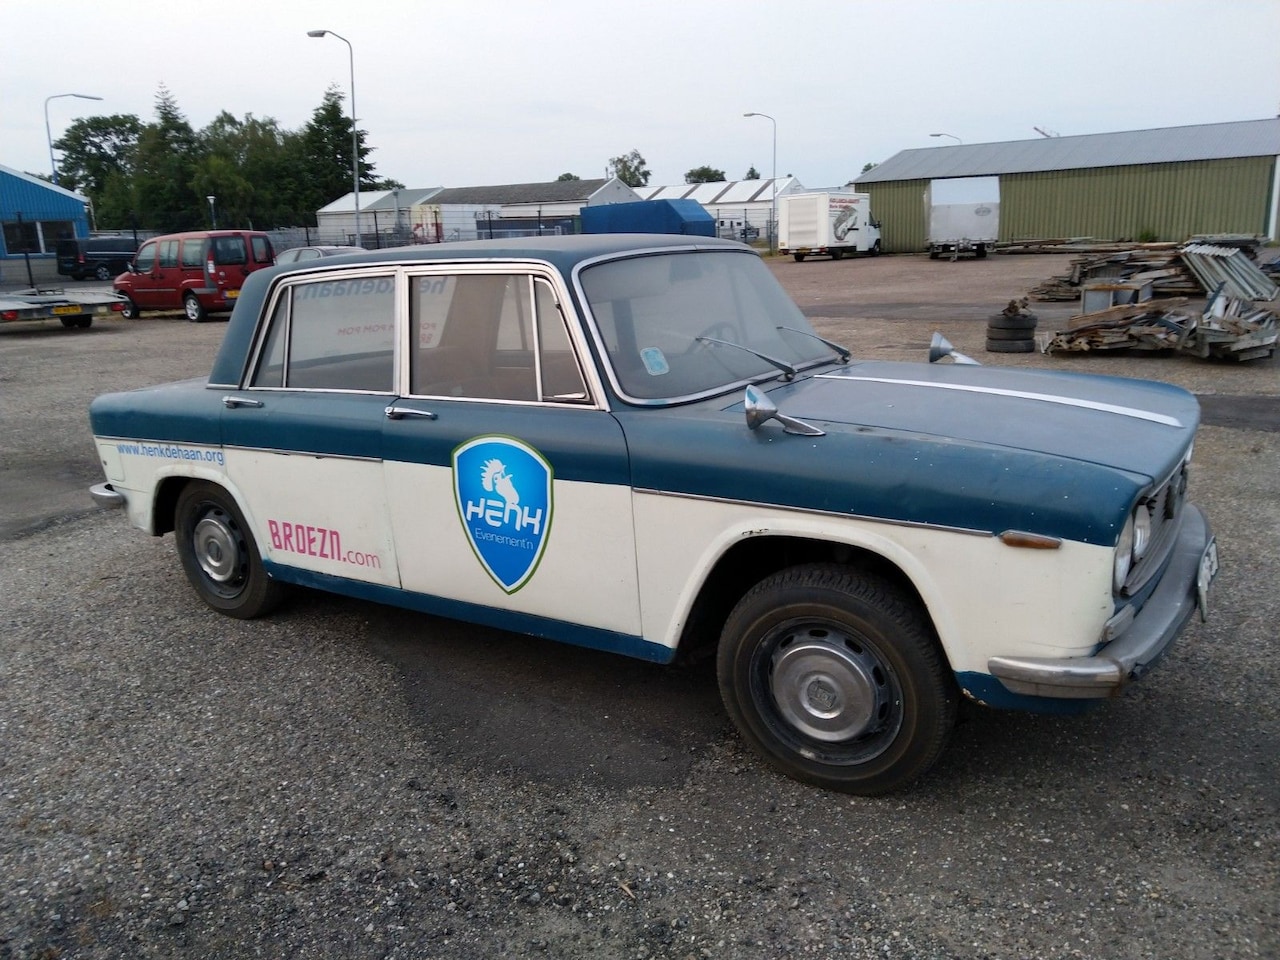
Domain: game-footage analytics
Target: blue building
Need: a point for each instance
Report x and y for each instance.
(34, 216)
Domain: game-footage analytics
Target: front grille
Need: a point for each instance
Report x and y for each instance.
(1164, 506)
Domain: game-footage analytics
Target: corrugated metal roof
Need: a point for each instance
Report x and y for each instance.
(719, 191)
(556, 191)
(1211, 141)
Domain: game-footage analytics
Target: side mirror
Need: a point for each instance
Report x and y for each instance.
(131, 267)
(760, 410)
(940, 347)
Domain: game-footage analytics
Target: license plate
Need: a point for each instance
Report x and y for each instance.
(232, 294)
(1208, 570)
(58, 311)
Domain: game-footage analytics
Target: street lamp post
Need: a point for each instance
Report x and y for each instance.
(49, 133)
(773, 206)
(213, 216)
(355, 140)
(951, 135)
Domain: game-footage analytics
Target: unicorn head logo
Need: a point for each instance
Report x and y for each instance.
(494, 476)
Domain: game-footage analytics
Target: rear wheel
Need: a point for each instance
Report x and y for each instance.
(194, 308)
(101, 272)
(836, 678)
(837, 254)
(219, 555)
(1010, 346)
(799, 257)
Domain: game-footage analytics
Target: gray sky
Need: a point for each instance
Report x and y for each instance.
(472, 92)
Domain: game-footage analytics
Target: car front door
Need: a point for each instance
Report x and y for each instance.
(303, 434)
(508, 483)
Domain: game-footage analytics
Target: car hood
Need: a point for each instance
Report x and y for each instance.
(1134, 425)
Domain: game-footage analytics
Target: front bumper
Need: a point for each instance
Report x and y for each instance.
(1179, 593)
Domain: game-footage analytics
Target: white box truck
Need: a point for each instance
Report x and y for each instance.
(962, 215)
(830, 223)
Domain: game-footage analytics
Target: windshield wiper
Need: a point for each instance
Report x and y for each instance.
(787, 369)
(843, 352)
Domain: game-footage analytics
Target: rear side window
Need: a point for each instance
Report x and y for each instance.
(332, 335)
(193, 253)
(229, 251)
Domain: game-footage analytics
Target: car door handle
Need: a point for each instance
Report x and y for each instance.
(233, 402)
(399, 413)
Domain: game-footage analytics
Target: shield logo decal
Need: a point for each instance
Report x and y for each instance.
(503, 492)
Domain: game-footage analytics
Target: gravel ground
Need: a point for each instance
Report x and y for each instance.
(346, 780)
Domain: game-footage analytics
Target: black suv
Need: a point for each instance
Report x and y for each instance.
(98, 257)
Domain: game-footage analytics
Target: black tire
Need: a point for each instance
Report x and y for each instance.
(1011, 346)
(84, 323)
(934, 254)
(130, 311)
(996, 333)
(875, 249)
(837, 254)
(193, 308)
(836, 678)
(799, 257)
(69, 322)
(219, 555)
(1019, 321)
(102, 272)
(981, 252)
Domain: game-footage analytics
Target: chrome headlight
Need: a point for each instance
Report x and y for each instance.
(1124, 555)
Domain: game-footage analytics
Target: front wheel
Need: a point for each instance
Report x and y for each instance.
(219, 555)
(799, 257)
(102, 272)
(130, 311)
(194, 308)
(835, 677)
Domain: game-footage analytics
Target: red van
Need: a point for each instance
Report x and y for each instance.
(199, 272)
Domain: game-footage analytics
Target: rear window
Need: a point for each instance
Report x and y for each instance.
(229, 251)
(262, 250)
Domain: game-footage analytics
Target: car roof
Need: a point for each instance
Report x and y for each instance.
(562, 252)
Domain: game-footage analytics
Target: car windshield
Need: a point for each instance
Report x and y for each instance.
(658, 315)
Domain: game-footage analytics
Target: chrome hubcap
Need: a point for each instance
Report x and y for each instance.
(217, 549)
(828, 687)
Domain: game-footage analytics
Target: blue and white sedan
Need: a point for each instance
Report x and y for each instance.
(639, 444)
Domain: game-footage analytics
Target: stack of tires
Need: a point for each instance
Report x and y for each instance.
(1011, 332)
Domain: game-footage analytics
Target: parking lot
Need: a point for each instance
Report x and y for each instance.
(349, 780)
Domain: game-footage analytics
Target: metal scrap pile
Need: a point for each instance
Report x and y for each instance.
(1167, 267)
(1231, 328)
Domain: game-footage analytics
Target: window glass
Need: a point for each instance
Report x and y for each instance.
(146, 259)
(561, 376)
(472, 337)
(341, 335)
(168, 253)
(193, 253)
(229, 251)
(261, 249)
(270, 372)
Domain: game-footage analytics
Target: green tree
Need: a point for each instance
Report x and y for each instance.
(630, 168)
(94, 147)
(704, 174)
(565, 177)
(752, 174)
(869, 166)
(161, 191)
(326, 153)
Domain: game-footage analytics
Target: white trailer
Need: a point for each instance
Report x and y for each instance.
(78, 310)
(831, 223)
(962, 215)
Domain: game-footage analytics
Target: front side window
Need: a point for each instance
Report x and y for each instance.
(332, 335)
(146, 259)
(168, 253)
(490, 337)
